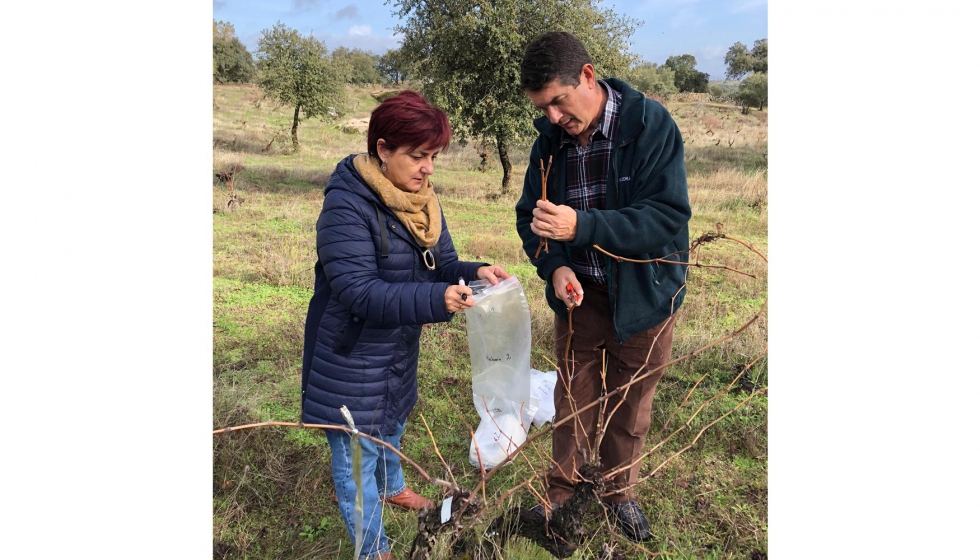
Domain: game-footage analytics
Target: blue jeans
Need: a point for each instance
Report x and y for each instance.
(381, 474)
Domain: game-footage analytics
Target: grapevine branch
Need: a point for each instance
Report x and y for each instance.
(623, 387)
(698, 436)
(687, 424)
(436, 447)
(664, 260)
(543, 242)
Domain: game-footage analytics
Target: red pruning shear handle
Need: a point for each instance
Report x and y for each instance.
(570, 291)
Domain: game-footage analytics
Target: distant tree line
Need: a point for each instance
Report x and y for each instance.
(233, 63)
(754, 89)
(298, 71)
(679, 74)
(471, 64)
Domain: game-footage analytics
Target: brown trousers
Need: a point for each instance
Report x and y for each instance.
(625, 435)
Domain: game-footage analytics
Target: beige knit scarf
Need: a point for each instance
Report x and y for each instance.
(419, 212)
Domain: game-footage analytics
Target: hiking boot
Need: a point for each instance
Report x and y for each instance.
(409, 500)
(631, 521)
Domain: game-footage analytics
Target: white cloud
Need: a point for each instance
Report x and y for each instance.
(360, 31)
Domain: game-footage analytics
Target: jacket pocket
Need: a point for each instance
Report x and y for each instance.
(347, 340)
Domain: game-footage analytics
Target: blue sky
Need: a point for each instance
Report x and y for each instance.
(704, 28)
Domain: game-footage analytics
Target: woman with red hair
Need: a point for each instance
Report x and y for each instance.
(386, 266)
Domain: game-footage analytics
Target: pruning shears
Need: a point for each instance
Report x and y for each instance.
(572, 295)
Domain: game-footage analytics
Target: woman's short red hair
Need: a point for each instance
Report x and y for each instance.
(407, 119)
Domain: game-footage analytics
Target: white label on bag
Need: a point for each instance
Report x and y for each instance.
(447, 509)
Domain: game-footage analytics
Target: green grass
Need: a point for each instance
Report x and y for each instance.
(271, 483)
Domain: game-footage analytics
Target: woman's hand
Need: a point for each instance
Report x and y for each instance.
(458, 298)
(492, 274)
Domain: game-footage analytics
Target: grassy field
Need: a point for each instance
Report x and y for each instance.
(272, 486)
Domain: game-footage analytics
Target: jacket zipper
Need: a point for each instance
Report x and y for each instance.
(612, 270)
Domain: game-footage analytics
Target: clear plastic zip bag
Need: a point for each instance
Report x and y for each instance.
(498, 327)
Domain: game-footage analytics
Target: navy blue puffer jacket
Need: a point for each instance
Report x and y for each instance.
(366, 315)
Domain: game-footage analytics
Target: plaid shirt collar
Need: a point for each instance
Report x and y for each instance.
(606, 122)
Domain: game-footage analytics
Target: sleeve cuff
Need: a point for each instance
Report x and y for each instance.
(584, 229)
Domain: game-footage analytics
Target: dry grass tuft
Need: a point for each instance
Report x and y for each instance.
(728, 189)
(494, 248)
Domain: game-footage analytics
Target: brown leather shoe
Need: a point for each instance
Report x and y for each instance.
(409, 500)
(386, 556)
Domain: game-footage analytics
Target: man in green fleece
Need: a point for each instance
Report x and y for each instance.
(616, 180)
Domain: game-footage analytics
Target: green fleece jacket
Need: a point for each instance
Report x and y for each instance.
(646, 214)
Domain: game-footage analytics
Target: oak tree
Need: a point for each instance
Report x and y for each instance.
(298, 72)
(466, 54)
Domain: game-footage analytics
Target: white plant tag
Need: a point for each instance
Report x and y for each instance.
(447, 509)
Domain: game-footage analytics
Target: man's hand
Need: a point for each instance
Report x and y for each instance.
(560, 280)
(554, 222)
(492, 274)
